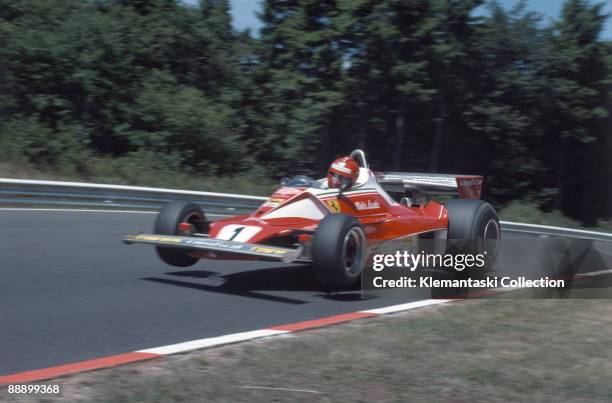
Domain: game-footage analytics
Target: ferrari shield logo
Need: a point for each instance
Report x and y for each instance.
(333, 206)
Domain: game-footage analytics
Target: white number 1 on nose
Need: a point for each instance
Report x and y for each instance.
(238, 233)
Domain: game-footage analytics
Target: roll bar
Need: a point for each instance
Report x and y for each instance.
(359, 156)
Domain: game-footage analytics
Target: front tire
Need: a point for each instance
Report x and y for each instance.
(167, 223)
(338, 251)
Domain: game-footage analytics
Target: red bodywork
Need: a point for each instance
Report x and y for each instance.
(383, 219)
(284, 226)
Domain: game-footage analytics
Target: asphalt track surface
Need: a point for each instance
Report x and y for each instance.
(70, 290)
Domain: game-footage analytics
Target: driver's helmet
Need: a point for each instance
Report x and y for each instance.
(343, 171)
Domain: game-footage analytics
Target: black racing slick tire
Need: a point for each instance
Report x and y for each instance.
(339, 251)
(167, 223)
(473, 227)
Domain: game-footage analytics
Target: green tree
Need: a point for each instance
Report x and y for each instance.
(301, 76)
(578, 94)
(506, 91)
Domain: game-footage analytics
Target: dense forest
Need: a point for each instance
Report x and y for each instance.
(421, 85)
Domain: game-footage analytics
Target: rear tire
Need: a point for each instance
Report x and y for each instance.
(167, 222)
(473, 227)
(338, 251)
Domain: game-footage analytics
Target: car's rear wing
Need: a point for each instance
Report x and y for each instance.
(464, 186)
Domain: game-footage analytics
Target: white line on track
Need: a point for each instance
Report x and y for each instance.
(76, 210)
(123, 187)
(92, 211)
(550, 227)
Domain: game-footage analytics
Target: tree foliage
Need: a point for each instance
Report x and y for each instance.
(421, 85)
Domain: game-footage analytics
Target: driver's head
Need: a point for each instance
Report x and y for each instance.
(342, 171)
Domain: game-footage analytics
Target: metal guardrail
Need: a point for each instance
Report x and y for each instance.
(547, 230)
(77, 194)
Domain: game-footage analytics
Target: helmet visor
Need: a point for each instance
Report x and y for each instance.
(340, 179)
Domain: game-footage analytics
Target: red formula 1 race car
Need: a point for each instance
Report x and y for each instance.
(336, 230)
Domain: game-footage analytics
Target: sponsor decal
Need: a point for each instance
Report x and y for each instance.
(214, 244)
(333, 206)
(155, 238)
(273, 202)
(469, 188)
(261, 249)
(367, 205)
(469, 182)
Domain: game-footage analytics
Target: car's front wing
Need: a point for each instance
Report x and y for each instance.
(267, 252)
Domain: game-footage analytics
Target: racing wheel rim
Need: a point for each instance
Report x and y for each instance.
(190, 218)
(352, 251)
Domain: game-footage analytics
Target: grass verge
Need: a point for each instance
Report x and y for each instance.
(145, 171)
(528, 212)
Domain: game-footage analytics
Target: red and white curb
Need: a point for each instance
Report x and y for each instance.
(158, 352)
